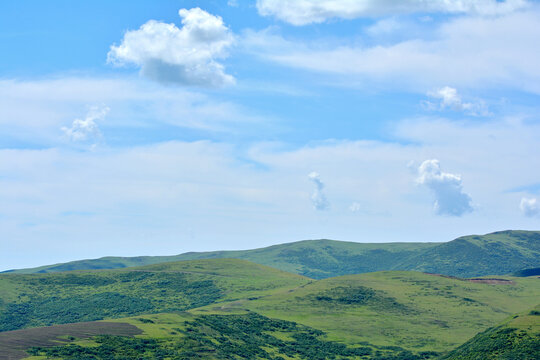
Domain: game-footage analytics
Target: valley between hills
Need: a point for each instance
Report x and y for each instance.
(475, 297)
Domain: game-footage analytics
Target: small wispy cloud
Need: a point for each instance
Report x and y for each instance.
(355, 207)
(317, 11)
(530, 207)
(318, 198)
(447, 188)
(87, 129)
(449, 99)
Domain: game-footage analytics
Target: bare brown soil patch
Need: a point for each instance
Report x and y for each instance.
(493, 281)
(14, 343)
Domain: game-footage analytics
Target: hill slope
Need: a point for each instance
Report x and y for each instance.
(492, 254)
(497, 253)
(383, 315)
(415, 311)
(312, 258)
(518, 338)
(30, 300)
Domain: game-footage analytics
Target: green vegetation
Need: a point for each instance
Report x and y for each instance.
(527, 272)
(244, 336)
(214, 308)
(518, 338)
(415, 311)
(47, 299)
(498, 253)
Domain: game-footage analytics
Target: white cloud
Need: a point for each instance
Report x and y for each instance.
(33, 111)
(303, 12)
(355, 207)
(233, 197)
(187, 55)
(87, 129)
(318, 198)
(232, 3)
(450, 99)
(384, 27)
(447, 188)
(466, 52)
(530, 207)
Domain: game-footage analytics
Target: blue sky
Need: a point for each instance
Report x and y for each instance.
(146, 128)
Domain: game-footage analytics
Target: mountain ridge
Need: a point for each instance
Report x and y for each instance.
(496, 253)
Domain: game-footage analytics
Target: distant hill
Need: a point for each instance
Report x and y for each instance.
(518, 338)
(497, 253)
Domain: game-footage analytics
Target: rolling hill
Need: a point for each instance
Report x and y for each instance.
(497, 253)
(31, 300)
(218, 307)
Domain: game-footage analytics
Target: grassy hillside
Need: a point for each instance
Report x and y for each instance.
(30, 300)
(498, 253)
(517, 338)
(384, 315)
(415, 311)
(492, 254)
(233, 336)
(313, 258)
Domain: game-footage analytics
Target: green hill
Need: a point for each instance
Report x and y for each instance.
(395, 315)
(30, 300)
(498, 253)
(517, 338)
(410, 310)
(313, 258)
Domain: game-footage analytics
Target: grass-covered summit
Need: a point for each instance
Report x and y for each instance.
(497, 253)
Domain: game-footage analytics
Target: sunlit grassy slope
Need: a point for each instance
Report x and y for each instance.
(313, 258)
(407, 309)
(501, 252)
(516, 338)
(492, 254)
(29, 300)
(384, 315)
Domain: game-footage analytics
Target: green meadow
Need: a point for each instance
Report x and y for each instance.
(226, 308)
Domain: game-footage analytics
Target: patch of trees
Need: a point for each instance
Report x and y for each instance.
(249, 336)
(359, 296)
(61, 299)
(54, 310)
(499, 343)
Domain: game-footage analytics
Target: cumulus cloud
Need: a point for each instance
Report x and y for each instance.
(530, 207)
(447, 188)
(187, 55)
(449, 99)
(86, 129)
(318, 198)
(317, 11)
